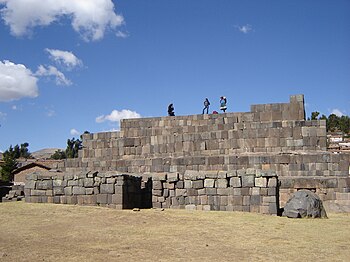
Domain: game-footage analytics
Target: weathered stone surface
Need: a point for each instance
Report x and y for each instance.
(44, 184)
(173, 177)
(304, 203)
(209, 182)
(221, 183)
(157, 185)
(248, 180)
(235, 182)
(89, 182)
(30, 184)
(77, 190)
(260, 181)
(58, 191)
(198, 184)
(106, 188)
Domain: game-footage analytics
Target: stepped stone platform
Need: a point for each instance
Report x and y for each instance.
(273, 139)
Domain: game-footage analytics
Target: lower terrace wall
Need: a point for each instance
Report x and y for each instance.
(247, 190)
(108, 189)
(243, 190)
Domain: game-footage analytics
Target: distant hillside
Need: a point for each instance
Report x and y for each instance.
(45, 153)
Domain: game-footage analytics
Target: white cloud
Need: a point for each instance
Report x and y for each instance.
(74, 132)
(116, 116)
(337, 112)
(60, 78)
(14, 107)
(90, 18)
(64, 57)
(245, 29)
(16, 82)
(122, 34)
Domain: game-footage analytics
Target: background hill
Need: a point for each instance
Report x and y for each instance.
(45, 153)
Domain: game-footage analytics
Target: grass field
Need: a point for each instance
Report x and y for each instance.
(48, 232)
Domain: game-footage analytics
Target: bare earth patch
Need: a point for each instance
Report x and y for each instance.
(48, 232)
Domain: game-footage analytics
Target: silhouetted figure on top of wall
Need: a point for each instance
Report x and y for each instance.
(206, 105)
(171, 110)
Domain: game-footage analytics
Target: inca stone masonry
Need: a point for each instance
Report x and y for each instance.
(252, 161)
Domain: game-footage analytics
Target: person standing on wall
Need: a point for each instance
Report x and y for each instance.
(171, 110)
(206, 105)
(223, 102)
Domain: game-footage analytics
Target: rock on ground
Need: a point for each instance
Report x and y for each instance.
(304, 203)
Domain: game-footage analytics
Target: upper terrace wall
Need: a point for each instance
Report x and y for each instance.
(260, 139)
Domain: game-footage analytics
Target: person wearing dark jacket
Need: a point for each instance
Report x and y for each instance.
(171, 110)
(206, 105)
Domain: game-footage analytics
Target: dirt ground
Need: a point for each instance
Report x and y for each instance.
(48, 232)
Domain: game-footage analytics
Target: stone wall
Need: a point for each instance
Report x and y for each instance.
(108, 189)
(245, 190)
(271, 137)
(333, 191)
(271, 134)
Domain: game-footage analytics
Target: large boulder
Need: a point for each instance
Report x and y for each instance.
(304, 203)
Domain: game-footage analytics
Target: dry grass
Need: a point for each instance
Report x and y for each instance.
(47, 232)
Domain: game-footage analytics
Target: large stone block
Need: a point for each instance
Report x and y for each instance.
(77, 190)
(68, 190)
(191, 174)
(157, 185)
(235, 182)
(36, 192)
(58, 191)
(248, 181)
(44, 184)
(221, 183)
(180, 192)
(188, 184)
(197, 184)
(30, 184)
(102, 198)
(209, 182)
(106, 188)
(272, 182)
(117, 199)
(260, 182)
(173, 177)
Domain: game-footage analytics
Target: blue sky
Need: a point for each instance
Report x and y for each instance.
(69, 66)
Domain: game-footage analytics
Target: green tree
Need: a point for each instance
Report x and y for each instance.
(10, 164)
(59, 154)
(333, 123)
(21, 151)
(344, 124)
(314, 115)
(73, 146)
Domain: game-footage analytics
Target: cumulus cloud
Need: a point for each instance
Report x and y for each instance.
(74, 132)
(337, 112)
(245, 29)
(66, 58)
(16, 82)
(116, 116)
(60, 78)
(90, 18)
